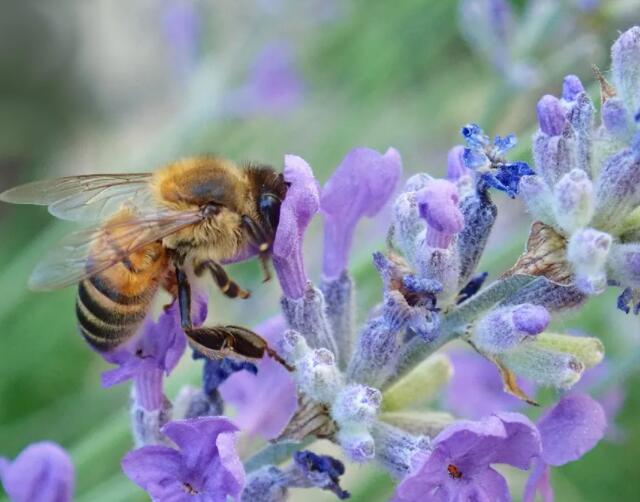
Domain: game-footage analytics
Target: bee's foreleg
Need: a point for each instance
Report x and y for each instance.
(229, 287)
(260, 239)
(184, 298)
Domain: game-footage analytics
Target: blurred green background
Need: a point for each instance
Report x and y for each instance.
(103, 86)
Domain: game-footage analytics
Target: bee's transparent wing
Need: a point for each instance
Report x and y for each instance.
(91, 197)
(92, 250)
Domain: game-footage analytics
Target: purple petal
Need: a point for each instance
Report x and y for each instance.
(571, 428)
(300, 204)
(196, 438)
(438, 205)
(43, 472)
(455, 164)
(230, 478)
(522, 444)
(360, 186)
(264, 402)
(156, 469)
(476, 389)
(490, 486)
(538, 482)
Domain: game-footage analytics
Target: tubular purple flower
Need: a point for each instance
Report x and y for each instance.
(266, 401)
(300, 204)
(205, 464)
(551, 115)
(155, 351)
(571, 88)
(42, 472)
(505, 327)
(360, 186)
(459, 464)
(568, 430)
(438, 206)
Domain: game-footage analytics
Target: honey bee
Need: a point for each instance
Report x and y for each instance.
(152, 231)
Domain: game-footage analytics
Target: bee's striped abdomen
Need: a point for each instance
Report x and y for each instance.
(111, 305)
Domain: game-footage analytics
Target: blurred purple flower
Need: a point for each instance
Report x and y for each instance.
(568, 430)
(155, 351)
(266, 401)
(273, 85)
(459, 464)
(181, 28)
(204, 467)
(476, 389)
(43, 472)
(360, 186)
(300, 204)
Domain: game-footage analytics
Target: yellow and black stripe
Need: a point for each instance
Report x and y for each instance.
(106, 316)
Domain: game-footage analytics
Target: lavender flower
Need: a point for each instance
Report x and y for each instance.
(205, 466)
(360, 186)
(42, 472)
(458, 467)
(568, 430)
(300, 204)
(155, 351)
(266, 400)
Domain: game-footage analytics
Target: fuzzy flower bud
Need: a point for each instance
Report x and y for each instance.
(574, 200)
(300, 204)
(455, 164)
(550, 115)
(571, 88)
(356, 404)
(360, 186)
(587, 251)
(537, 197)
(625, 67)
(615, 118)
(318, 376)
(624, 264)
(504, 328)
(554, 156)
(438, 206)
(357, 444)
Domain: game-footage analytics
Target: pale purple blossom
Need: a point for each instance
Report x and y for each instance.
(42, 472)
(567, 431)
(360, 186)
(264, 401)
(459, 465)
(151, 354)
(300, 204)
(204, 466)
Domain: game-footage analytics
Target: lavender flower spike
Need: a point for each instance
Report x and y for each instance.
(204, 467)
(568, 430)
(459, 464)
(300, 204)
(360, 186)
(43, 472)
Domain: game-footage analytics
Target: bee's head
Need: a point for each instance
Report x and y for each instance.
(269, 190)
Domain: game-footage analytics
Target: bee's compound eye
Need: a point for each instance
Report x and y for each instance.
(211, 209)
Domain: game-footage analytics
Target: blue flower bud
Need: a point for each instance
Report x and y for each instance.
(574, 203)
(356, 404)
(615, 118)
(571, 88)
(617, 190)
(308, 316)
(624, 264)
(625, 67)
(479, 214)
(504, 328)
(550, 115)
(587, 251)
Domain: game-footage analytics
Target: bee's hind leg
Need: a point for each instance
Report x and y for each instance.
(228, 286)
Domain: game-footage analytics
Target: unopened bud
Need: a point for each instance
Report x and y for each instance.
(574, 200)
